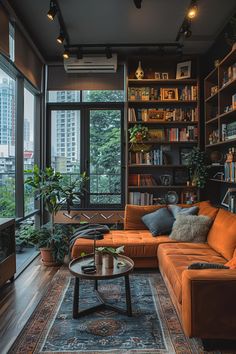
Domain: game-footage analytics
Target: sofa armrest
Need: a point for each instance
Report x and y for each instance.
(209, 303)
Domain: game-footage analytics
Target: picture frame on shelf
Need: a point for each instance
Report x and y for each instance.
(156, 115)
(183, 155)
(225, 200)
(169, 94)
(183, 70)
(181, 177)
(157, 76)
(164, 76)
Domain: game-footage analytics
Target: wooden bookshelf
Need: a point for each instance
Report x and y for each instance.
(180, 115)
(220, 115)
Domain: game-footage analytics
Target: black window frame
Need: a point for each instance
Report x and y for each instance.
(85, 108)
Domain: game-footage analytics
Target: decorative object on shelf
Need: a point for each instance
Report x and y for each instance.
(140, 148)
(229, 200)
(219, 176)
(166, 180)
(216, 157)
(214, 137)
(234, 101)
(164, 76)
(183, 155)
(171, 197)
(197, 167)
(157, 76)
(214, 89)
(169, 94)
(138, 133)
(189, 197)
(139, 73)
(109, 254)
(183, 70)
(230, 166)
(156, 115)
(157, 134)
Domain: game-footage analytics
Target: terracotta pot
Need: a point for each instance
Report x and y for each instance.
(108, 261)
(47, 258)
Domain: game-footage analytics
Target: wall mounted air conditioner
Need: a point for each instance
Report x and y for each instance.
(91, 64)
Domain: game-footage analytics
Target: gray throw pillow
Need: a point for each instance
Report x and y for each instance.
(175, 210)
(159, 222)
(191, 228)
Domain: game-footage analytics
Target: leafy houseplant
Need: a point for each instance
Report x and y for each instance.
(138, 133)
(55, 192)
(197, 167)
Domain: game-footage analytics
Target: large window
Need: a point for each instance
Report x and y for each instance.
(29, 117)
(87, 138)
(105, 156)
(7, 145)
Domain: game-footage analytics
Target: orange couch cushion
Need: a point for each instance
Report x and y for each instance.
(222, 235)
(138, 243)
(176, 257)
(205, 208)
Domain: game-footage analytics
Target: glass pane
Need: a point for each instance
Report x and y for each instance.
(105, 157)
(7, 145)
(12, 41)
(103, 96)
(29, 117)
(64, 96)
(65, 143)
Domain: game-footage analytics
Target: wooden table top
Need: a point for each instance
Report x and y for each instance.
(101, 271)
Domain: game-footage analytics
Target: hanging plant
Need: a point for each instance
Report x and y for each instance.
(138, 133)
(197, 167)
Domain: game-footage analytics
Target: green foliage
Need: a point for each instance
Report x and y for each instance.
(111, 250)
(138, 133)
(197, 167)
(7, 195)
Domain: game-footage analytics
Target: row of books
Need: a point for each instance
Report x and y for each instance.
(228, 131)
(138, 198)
(141, 180)
(230, 171)
(186, 93)
(162, 115)
(189, 133)
(154, 157)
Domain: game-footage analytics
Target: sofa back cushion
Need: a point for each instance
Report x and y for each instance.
(134, 213)
(205, 208)
(222, 235)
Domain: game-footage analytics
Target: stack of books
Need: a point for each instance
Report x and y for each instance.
(138, 198)
(154, 157)
(159, 115)
(228, 131)
(141, 180)
(230, 171)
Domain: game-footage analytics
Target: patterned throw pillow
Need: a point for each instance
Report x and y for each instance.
(191, 228)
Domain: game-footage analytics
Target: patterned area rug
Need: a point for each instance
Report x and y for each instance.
(153, 328)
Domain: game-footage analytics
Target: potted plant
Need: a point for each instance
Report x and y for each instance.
(109, 253)
(138, 133)
(197, 167)
(55, 191)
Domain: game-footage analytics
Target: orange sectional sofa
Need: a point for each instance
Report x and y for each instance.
(205, 300)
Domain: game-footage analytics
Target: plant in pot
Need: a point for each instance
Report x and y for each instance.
(56, 192)
(138, 133)
(108, 254)
(197, 167)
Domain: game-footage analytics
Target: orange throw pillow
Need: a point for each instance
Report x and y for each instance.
(231, 264)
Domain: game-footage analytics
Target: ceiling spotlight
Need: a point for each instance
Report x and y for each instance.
(66, 54)
(192, 11)
(79, 53)
(52, 11)
(138, 3)
(108, 52)
(61, 37)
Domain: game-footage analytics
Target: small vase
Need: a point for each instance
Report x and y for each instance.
(98, 258)
(139, 73)
(108, 261)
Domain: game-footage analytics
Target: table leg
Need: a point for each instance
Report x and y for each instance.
(95, 285)
(76, 299)
(128, 296)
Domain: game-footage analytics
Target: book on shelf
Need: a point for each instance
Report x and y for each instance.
(137, 180)
(163, 115)
(189, 133)
(139, 198)
(154, 157)
(230, 171)
(228, 131)
(185, 93)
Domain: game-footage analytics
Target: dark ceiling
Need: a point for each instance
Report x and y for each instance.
(118, 21)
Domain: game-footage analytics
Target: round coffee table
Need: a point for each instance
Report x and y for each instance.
(102, 273)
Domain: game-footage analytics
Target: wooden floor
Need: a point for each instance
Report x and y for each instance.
(19, 299)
